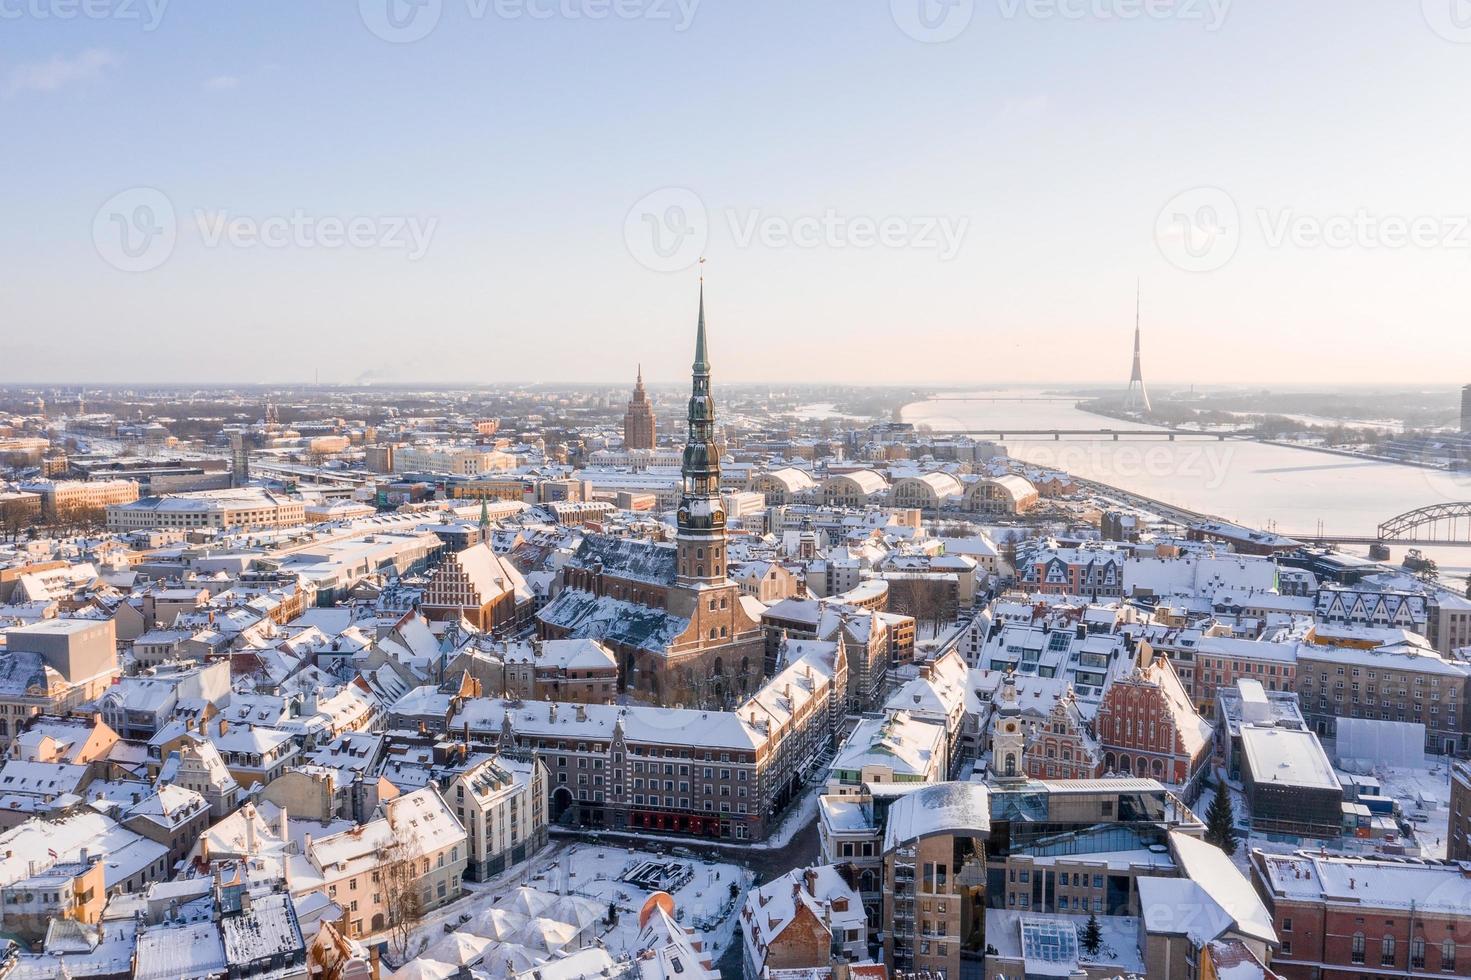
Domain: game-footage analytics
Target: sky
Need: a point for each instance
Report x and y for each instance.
(885, 191)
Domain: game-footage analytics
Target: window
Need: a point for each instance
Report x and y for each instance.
(1417, 953)
(1356, 950)
(1386, 951)
(1448, 955)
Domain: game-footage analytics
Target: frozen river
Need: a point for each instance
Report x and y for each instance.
(1277, 487)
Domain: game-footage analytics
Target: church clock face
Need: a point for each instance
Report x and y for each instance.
(684, 515)
(1010, 727)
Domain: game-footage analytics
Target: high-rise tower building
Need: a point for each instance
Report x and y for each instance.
(1137, 398)
(638, 421)
(1466, 410)
(239, 460)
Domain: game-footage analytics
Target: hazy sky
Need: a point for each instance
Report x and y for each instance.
(915, 190)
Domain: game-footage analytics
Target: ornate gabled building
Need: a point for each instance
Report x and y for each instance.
(673, 615)
(638, 421)
(1148, 727)
(1062, 747)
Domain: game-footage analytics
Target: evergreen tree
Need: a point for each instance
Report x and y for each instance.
(1220, 821)
(1092, 937)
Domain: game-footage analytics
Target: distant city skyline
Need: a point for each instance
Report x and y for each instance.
(961, 195)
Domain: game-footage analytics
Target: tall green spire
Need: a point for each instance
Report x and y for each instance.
(702, 360)
(484, 515)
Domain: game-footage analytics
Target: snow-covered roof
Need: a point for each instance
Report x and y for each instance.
(662, 726)
(1211, 898)
(193, 951)
(1288, 756)
(943, 808)
(867, 482)
(1366, 882)
(586, 615)
(907, 746)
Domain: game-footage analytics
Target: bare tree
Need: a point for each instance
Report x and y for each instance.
(401, 877)
(16, 519)
(1009, 558)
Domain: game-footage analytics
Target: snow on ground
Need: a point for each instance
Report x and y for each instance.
(477, 895)
(703, 903)
(1426, 791)
(800, 815)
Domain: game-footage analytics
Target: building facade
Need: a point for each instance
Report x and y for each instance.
(1345, 918)
(501, 803)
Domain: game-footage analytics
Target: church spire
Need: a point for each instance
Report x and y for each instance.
(701, 535)
(702, 359)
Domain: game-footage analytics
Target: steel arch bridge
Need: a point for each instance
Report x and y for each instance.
(1453, 518)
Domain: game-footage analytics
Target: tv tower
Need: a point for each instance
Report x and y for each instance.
(1137, 398)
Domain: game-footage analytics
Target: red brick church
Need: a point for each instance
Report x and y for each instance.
(671, 613)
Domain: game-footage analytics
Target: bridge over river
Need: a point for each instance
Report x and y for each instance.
(1447, 525)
